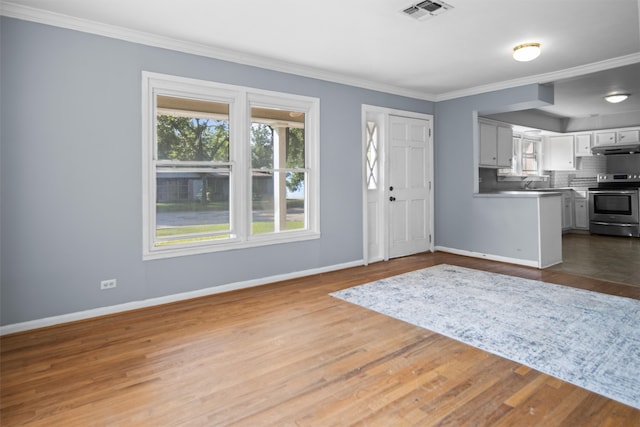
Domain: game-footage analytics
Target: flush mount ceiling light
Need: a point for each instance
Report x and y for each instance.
(526, 52)
(616, 97)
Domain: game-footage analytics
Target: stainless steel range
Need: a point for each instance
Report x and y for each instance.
(614, 206)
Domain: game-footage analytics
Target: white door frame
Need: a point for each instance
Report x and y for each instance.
(381, 115)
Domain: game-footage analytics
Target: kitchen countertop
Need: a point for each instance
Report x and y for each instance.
(580, 192)
(523, 193)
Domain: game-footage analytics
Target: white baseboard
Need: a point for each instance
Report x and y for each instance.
(134, 305)
(509, 260)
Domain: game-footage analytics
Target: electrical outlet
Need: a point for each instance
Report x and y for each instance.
(108, 284)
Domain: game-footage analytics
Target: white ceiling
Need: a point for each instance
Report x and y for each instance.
(370, 43)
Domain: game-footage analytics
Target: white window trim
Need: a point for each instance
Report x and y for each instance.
(240, 100)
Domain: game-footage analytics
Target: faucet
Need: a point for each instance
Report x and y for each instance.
(527, 183)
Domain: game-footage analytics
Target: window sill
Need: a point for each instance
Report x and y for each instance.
(255, 241)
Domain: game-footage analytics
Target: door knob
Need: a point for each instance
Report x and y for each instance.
(392, 199)
(391, 188)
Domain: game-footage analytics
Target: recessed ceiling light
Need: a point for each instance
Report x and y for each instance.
(616, 97)
(526, 52)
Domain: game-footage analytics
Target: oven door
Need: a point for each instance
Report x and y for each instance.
(614, 206)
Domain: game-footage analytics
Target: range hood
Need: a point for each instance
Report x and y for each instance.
(616, 149)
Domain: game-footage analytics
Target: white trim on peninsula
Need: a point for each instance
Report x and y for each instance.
(525, 262)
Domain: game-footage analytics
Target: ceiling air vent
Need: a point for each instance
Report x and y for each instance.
(426, 9)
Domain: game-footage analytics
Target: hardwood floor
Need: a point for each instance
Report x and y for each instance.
(287, 354)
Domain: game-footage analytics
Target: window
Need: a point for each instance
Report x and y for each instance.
(526, 158)
(530, 156)
(372, 155)
(226, 167)
(278, 168)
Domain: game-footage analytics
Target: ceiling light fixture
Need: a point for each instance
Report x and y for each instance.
(526, 52)
(616, 97)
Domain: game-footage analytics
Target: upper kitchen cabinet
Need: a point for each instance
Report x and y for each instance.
(558, 152)
(628, 136)
(605, 138)
(583, 145)
(496, 145)
(622, 136)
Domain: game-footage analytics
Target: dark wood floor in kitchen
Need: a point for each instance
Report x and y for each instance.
(616, 259)
(287, 354)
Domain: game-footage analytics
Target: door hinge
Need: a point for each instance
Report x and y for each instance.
(429, 238)
(429, 131)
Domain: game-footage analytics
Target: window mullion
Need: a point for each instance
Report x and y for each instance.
(241, 157)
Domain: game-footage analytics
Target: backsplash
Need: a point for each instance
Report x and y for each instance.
(584, 176)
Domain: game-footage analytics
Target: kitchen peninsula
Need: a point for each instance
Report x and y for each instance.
(537, 228)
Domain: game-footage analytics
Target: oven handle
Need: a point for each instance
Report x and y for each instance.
(616, 224)
(613, 192)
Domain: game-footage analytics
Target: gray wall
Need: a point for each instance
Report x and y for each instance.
(463, 222)
(71, 212)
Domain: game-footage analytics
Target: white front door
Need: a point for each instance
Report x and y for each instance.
(409, 186)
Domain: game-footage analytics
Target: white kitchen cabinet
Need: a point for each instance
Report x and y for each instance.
(605, 138)
(505, 146)
(496, 145)
(611, 137)
(559, 153)
(488, 144)
(628, 136)
(581, 213)
(567, 210)
(583, 145)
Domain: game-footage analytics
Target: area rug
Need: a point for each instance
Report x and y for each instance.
(586, 338)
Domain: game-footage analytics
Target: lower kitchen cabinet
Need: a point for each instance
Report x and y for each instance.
(581, 213)
(567, 210)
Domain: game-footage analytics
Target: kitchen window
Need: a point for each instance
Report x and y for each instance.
(529, 157)
(526, 158)
(226, 167)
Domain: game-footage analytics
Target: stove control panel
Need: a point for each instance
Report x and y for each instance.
(619, 177)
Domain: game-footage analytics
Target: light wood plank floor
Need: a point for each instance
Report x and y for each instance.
(287, 354)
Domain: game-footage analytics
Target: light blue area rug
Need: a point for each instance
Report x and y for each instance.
(586, 338)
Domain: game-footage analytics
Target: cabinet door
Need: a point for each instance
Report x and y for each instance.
(628, 136)
(504, 147)
(605, 138)
(581, 213)
(567, 211)
(583, 145)
(559, 153)
(488, 144)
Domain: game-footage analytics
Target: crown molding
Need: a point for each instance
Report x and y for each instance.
(544, 78)
(41, 16)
